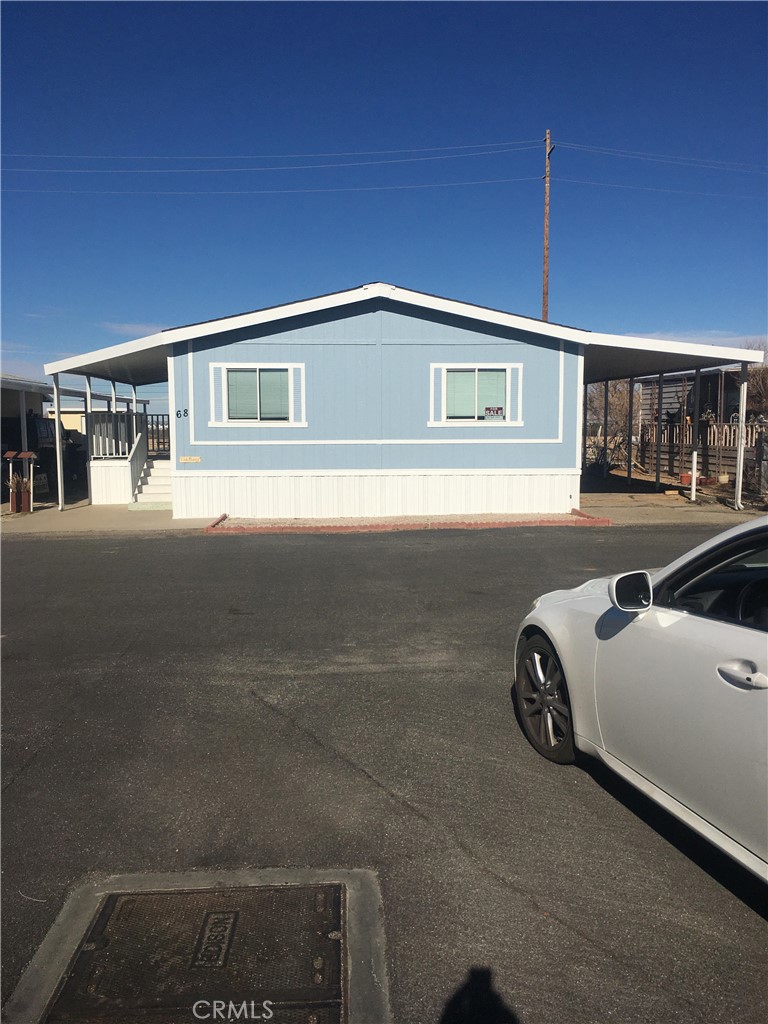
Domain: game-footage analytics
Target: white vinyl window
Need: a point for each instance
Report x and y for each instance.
(259, 394)
(251, 394)
(483, 394)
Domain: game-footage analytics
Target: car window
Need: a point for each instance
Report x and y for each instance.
(734, 589)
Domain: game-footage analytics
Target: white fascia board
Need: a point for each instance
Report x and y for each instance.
(202, 330)
(305, 306)
(491, 316)
(574, 334)
(265, 316)
(557, 331)
(382, 290)
(685, 348)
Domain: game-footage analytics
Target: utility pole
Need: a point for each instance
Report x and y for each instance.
(545, 288)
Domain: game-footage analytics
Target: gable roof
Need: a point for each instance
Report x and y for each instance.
(607, 356)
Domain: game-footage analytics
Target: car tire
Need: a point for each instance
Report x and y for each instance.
(542, 702)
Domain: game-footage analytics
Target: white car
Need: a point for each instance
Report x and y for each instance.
(664, 678)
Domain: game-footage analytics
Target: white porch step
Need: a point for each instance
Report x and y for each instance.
(153, 494)
(154, 487)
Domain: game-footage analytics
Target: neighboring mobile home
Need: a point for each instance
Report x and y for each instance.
(378, 401)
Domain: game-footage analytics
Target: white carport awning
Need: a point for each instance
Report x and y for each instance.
(619, 358)
(134, 362)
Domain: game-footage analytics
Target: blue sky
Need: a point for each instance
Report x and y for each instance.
(120, 91)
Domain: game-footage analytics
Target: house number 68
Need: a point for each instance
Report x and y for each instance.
(181, 412)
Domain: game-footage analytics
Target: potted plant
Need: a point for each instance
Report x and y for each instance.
(19, 493)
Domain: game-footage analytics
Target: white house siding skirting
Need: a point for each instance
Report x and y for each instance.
(354, 495)
(111, 482)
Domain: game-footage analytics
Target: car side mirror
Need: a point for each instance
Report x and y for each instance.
(631, 592)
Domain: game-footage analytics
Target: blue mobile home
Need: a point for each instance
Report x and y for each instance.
(377, 408)
(378, 401)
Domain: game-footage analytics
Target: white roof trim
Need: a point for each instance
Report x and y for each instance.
(405, 295)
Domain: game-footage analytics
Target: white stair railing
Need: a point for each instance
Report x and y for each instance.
(137, 460)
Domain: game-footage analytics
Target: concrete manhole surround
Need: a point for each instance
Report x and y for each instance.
(289, 946)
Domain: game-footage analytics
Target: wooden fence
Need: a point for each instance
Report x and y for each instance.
(717, 447)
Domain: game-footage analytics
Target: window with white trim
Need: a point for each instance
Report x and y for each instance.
(260, 394)
(257, 394)
(487, 394)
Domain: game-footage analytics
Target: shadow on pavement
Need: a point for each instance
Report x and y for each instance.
(616, 482)
(736, 879)
(477, 1002)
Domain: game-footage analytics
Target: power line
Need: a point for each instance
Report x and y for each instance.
(468, 150)
(602, 150)
(223, 170)
(365, 188)
(648, 188)
(265, 192)
(719, 165)
(278, 156)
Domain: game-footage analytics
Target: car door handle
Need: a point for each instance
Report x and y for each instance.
(743, 674)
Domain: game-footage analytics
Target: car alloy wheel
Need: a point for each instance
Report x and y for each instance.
(542, 702)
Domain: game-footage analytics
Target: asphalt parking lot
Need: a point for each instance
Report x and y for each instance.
(178, 702)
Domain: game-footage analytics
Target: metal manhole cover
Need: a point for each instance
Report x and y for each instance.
(184, 955)
(286, 945)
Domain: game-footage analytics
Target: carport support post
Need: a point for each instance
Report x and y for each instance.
(742, 430)
(631, 426)
(88, 411)
(88, 431)
(585, 426)
(695, 433)
(59, 453)
(605, 430)
(135, 408)
(659, 403)
(23, 425)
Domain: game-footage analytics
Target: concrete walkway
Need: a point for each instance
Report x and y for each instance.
(618, 509)
(81, 518)
(647, 509)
